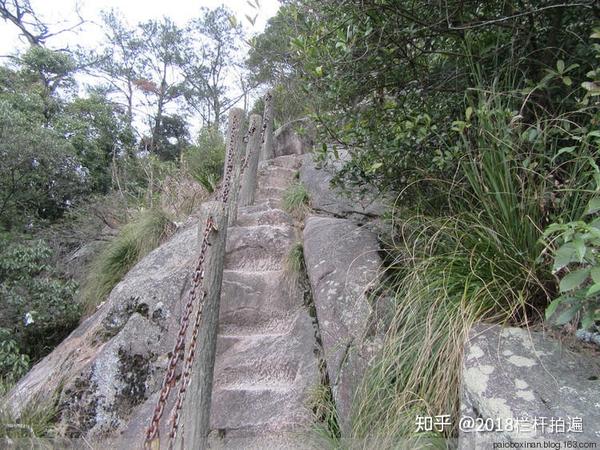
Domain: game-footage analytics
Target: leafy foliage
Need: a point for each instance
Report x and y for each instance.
(576, 257)
(205, 160)
(37, 307)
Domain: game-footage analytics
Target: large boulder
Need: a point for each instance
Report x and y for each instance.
(288, 141)
(532, 386)
(108, 368)
(343, 263)
(325, 198)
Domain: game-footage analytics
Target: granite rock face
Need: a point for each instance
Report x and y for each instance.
(326, 199)
(342, 261)
(512, 375)
(108, 367)
(289, 142)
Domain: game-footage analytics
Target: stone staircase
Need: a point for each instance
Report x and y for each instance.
(266, 360)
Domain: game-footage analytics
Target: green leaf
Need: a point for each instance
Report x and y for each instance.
(591, 87)
(560, 66)
(594, 289)
(567, 315)
(593, 206)
(375, 166)
(573, 280)
(468, 113)
(552, 306)
(587, 322)
(567, 81)
(319, 71)
(564, 150)
(580, 248)
(565, 255)
(595, 273)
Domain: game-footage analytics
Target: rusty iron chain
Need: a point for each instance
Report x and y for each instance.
(153, 432)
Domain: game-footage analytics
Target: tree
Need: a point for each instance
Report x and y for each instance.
(22, 15)
(121, 60)
(162, 57)
(209, 64)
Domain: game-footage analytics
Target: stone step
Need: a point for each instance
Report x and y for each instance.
(267, 192)
(251, 297)
(287, 161)
(250, 412)
(257, 207)
(250, 321)
(260, 247)
(266, 216)
(267, 180)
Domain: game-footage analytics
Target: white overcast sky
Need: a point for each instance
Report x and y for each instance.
(133, 11)
(60, 14)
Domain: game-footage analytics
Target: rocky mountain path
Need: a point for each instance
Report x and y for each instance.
(266, 361)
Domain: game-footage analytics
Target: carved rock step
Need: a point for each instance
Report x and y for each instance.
(258, 248)
(251, 298)
(298, 440)
(264, 216)
(287, 162)
(278, 172)
(274, 179)
(262, 382)
(269, 192)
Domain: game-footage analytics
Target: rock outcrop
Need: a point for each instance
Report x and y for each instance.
(530, 387)
(287, 141)
(108, 372)
(329, 200)
(343, 262)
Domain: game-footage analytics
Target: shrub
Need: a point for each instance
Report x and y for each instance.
(577, 259)
(135, 240)
(205, 161)
(38, 309)
(36, 420)
(13, 364)
(474, 259)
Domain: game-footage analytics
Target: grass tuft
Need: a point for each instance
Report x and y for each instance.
(295, 259)
(135, 240)
(326, 428)
(36, 420)
(295, 200)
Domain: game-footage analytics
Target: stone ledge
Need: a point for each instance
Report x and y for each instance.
(514, 373)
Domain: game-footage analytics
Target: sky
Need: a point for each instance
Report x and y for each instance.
(61, 14)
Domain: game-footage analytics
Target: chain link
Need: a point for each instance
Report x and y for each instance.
(153, 431)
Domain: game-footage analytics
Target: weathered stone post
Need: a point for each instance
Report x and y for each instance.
(196, 413)
(234, 147)
(252, 154)
(268, 150)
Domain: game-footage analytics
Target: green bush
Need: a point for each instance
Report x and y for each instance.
(135, 240)
(477, 257)
(38, 308)
(13, 364)
(205, 161)
(577, 259)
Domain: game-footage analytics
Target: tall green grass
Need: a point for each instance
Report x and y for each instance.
(476, 260)
(135, 240)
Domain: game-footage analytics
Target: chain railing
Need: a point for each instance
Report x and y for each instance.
(234, 168)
